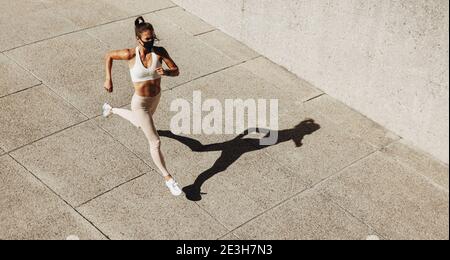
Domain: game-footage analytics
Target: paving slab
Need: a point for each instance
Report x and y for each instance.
(228, 46)
(138, 7)
(206, 61)
(280, 77)
(132, 137)
(31, 211)
(90, 96)
(231, 175)
(13, 78)
(63, 61)
(79, 81)
(85, 13)
(394, 200)
(253, 182)
(420, 162)
(20, 8)
(308, 216)
(314, 147)
(117, 35)
(353, 122)
(120, 34)
(11, 10)
(186, 21)
(81, 163)
(9, 39)
(238, 83)
(88, 14)
(144, 209)
(327, 147)
(33, 114)
(46, 24)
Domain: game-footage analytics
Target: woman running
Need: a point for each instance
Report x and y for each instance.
(146, 71)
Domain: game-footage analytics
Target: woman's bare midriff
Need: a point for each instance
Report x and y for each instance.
(150, 88)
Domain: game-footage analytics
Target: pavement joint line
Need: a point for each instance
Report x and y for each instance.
(199, 77)
(88, 28)
(110, 190)
(319, 95)
(42, 82)
(206, 32)
(106, 45)
(414, 171)
(230, 231)
(22, 90)
(372, 229)
(66, 101)
(203, 209)
(331, 119)
(49, 135)
(23, 68)
(213, 217)
(60, 197)
(92, 223)
(284, 169)
(126, 147)
(223, 52)
(227, 234)
(152, 170)
(211, 73)
(155, 171)
(84, 121)
(418, 150)
(303, 191)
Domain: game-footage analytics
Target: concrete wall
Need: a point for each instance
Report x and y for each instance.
(387, 59)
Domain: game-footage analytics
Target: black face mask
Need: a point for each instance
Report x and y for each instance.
(149, 45)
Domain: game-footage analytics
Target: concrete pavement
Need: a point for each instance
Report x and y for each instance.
(66, 171)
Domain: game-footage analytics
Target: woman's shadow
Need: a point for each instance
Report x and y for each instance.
(232, 150)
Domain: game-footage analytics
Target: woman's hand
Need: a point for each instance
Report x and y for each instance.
(161, 71)
(173, 72)
(108, 85)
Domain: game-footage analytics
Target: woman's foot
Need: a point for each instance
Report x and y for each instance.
(173, 187)
(107, 110)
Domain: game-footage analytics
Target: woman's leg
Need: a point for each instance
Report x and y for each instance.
(131, 116)
(154, 104)
(126, 114)
(149, 129)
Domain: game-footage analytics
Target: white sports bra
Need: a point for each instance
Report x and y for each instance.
(139, 73)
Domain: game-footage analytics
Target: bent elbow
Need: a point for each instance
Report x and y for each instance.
(108, 56)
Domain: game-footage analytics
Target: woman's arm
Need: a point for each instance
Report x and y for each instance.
(173, 70)
(126, 54)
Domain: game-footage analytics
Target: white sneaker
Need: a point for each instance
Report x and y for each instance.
(107, 110)
(173, 187)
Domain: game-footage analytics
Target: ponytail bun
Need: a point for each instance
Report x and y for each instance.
(138, 21)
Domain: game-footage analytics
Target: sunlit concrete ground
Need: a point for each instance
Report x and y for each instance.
(67, 172)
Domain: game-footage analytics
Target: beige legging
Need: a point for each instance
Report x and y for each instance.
(141, 115)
